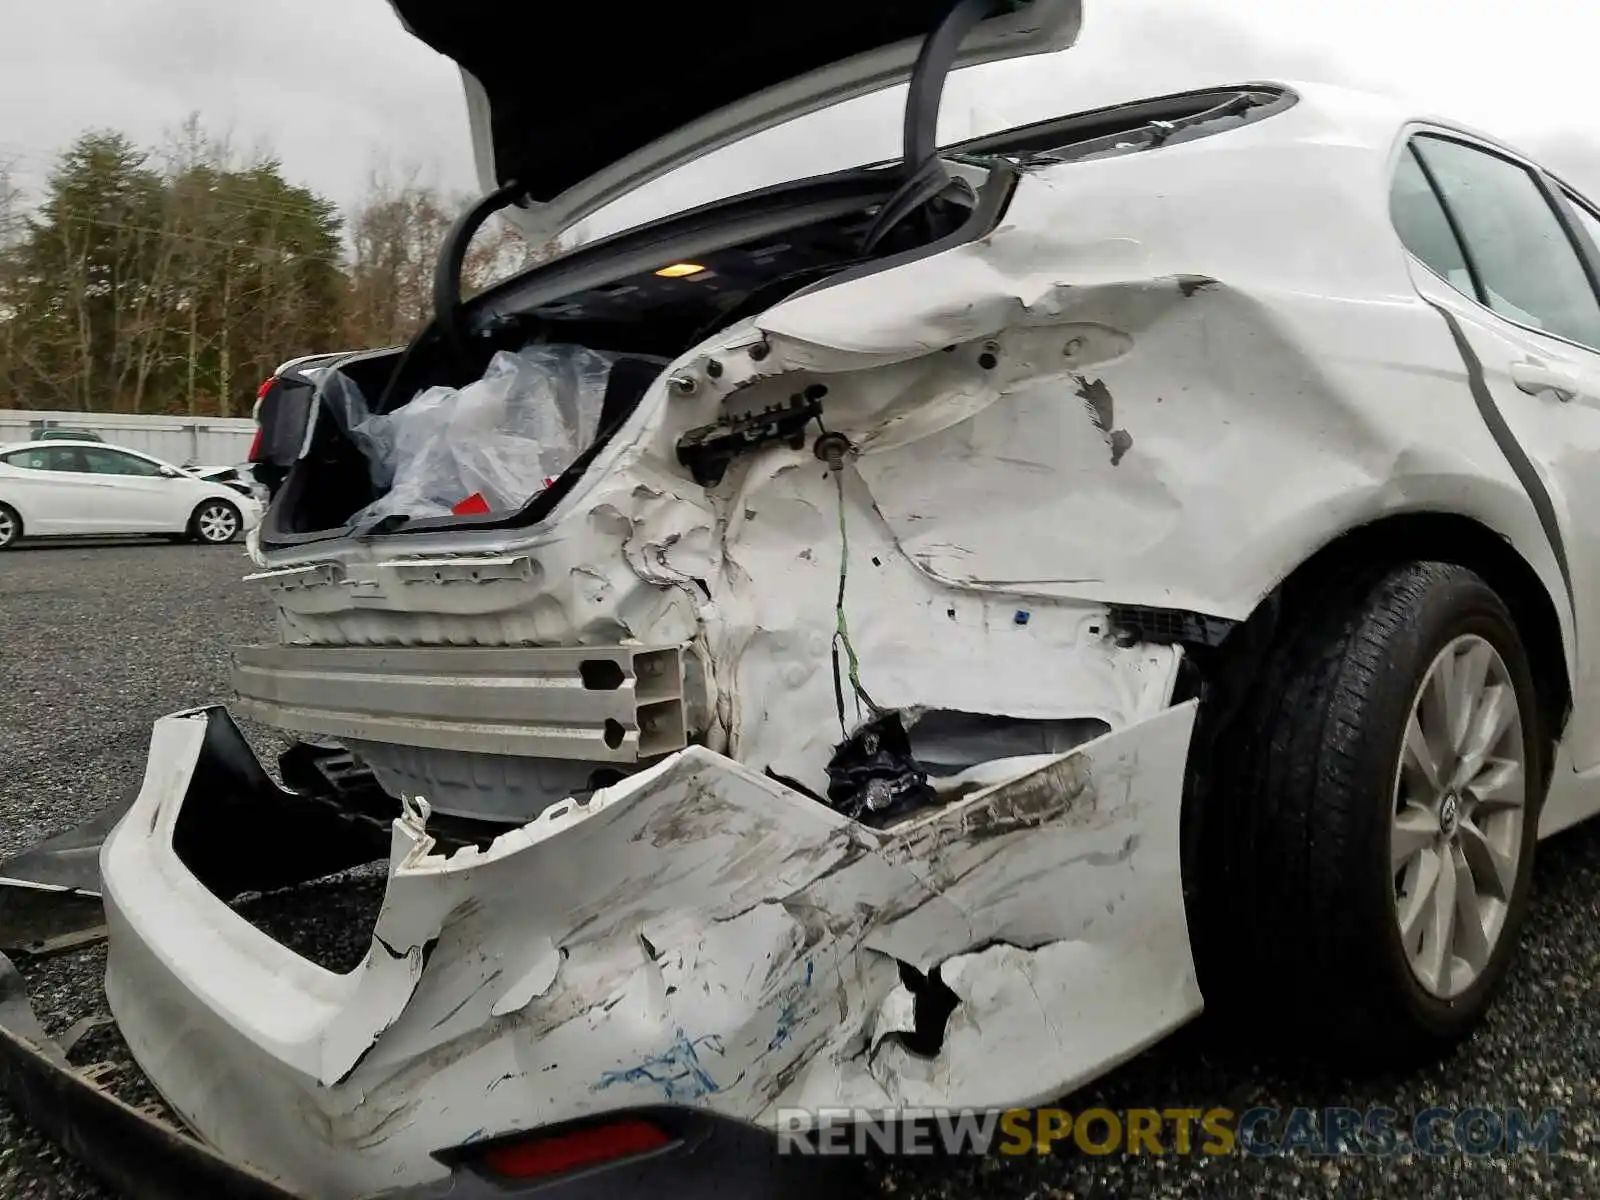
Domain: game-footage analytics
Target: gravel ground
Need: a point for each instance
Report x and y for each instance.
(96, 642)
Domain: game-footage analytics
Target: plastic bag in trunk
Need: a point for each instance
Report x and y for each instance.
(487, 447)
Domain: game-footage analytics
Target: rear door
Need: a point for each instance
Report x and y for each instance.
(1515, 273)
(129, 493)
(43, 485)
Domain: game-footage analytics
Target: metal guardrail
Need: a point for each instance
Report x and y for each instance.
(207, 441)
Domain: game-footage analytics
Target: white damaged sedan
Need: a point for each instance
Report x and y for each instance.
(902, 638)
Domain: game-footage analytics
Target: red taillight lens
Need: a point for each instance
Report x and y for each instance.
(557, 1153)
(255, 442)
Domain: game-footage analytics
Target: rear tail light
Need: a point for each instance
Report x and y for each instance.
(255, 442)
(543, 1156)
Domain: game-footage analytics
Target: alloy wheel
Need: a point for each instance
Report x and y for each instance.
(1460, 800)
(217, 523)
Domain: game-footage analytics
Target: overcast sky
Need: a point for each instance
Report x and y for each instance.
(336, 87)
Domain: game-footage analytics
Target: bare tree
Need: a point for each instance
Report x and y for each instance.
(397, 232)
(174, 280)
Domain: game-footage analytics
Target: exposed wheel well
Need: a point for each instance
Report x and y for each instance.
(1223, 675)
(1443, 537)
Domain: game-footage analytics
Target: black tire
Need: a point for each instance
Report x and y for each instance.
(201, 527)
(10, 527)
(1297, 885)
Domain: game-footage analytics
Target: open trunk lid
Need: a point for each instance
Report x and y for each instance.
(667, 83)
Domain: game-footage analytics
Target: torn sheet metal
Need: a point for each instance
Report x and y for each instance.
(1097, 433)
(699, 934)
(1169, 397)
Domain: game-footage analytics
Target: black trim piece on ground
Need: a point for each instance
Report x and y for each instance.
(138, 1156)
(1521, 464)
(143, 1158)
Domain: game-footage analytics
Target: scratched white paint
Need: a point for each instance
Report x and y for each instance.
(697, 934)
(1173, 376)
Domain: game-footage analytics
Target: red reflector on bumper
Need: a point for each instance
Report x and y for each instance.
(580, 1148)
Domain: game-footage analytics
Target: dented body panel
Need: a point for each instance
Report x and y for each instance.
(1164, 381)
(699, 934)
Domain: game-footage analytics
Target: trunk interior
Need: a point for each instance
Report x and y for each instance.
(619, 297)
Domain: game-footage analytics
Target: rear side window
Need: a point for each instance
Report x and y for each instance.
(1526, 266)
(44, 458)
(1424, 228)
(114, 462)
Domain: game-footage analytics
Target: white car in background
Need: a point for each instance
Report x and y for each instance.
(53, 488)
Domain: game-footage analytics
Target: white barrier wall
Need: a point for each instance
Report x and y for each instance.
(184, 441)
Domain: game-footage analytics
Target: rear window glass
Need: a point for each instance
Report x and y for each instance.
(1423, 227)
(43, 458)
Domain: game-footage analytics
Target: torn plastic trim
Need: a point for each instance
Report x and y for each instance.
(594, 931)
(201, 756)
(306, 839)
(50, 892)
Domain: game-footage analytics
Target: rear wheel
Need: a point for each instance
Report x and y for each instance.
(1377, 812)
(10, 526)
(216, 522)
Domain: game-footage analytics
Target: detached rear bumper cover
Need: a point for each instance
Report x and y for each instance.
(138, 1155)
(143, 1158)
(698, 935)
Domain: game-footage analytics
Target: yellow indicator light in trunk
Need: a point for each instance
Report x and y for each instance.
(680, 270)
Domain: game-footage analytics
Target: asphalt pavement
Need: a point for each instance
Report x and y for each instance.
(98, 641)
